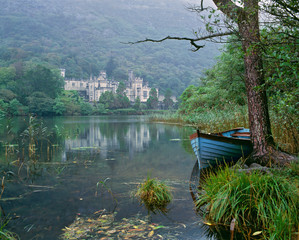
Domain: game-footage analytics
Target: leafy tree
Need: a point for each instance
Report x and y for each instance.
(121, 99)
(246, 18)
(100, 109)
(86, 108)
(107, 98)
(152, 101)
(285, 11)
(110, 67)
(7, 76)
(189, 100)
(137, 103)
(121, 89)
(42, 79)
(59, 106)
(39, 103)
(3, 108)
(168, 102)
(7, 95)
(14, 107)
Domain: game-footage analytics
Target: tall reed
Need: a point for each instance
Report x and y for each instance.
(258, 202)
(286, 134)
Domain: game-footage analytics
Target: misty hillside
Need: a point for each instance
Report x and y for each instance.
(82, 36)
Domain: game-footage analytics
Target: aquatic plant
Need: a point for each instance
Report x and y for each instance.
(7, 235)
(104, 186)
(4, 220)
(262, 203)
(104, 225)
(154, 194)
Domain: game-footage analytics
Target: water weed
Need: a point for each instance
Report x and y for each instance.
(154, 194)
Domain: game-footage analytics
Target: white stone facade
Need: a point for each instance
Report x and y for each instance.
(94, 87)
(136, 88)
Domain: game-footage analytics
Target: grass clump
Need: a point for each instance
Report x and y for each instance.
(257, 201)
(154, 194)
(4, 233)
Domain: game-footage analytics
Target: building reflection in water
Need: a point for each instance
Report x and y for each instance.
(104, 139)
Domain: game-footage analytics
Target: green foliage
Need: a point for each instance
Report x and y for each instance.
(223, 88)
(115, 101)
(258, 202)
(110, 67)
(84, 38)
(71, 103)
(32, 88)
(7, 95)
(285, 11)
(7, 75)
(42, 79)
(86, 108)
(137, 103)
(222, 85)
(168, 102)
(281, 68)
(100, 109)
(107, 98)
(14, 107)
(59, 107)
(154, 194)
(152, 101)
(121, 89)
(39, 103)
(4, 233)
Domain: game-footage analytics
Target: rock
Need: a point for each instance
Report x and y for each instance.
(255, 165)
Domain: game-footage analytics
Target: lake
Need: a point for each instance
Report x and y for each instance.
(97, 163)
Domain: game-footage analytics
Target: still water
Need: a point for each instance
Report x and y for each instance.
(97, 164)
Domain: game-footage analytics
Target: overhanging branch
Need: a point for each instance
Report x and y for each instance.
(191, 40)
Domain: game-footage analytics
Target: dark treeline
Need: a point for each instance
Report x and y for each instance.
(36, 89)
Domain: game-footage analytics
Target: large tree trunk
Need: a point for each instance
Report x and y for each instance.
(247, 18)
(260, 127)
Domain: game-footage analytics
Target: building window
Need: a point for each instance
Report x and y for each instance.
(73, 84)
(81, 84)
(144, 94)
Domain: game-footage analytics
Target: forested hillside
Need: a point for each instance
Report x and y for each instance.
(83, 36)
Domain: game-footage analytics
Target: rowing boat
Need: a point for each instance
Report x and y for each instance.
(218, 148)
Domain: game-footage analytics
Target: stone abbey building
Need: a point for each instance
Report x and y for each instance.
(93, 88)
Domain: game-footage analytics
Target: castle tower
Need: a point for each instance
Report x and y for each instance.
(62, 72)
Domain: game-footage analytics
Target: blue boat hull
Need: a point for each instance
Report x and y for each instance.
(219, 148)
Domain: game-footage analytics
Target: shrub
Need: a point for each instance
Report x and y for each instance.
(258, 202)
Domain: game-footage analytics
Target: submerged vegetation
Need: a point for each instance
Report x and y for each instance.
(154, 194)
(258, 203)
(103, 225)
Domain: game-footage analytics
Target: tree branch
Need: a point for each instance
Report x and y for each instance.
(229, 8)
(191, 40)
